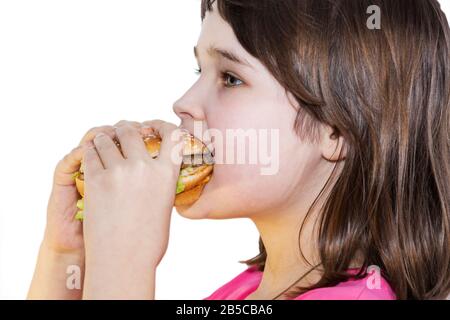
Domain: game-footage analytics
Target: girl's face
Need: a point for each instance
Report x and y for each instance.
(235, 93)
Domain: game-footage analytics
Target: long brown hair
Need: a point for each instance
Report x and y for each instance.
(386, 91)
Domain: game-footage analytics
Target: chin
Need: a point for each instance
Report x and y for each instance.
(215, 203)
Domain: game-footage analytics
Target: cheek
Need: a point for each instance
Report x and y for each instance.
(243, 108)
(242, 191)
(239, 190)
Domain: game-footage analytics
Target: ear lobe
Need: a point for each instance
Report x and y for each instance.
(333, 146)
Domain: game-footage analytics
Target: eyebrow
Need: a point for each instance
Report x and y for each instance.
(226, 54)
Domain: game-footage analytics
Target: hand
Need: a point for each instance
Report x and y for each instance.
(63, 233)
(127, 205)
(63, 244)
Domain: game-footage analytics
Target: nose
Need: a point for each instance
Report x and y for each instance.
(191, 111)
(188, 108)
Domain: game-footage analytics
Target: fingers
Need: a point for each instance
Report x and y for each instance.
(132, 145)
(92, 162)
(134, 124)
(71, 161)
(109, 130)
(131, 142)
(172, 140)
(67, 166)
(107, 154)
(90, 135)
(107, 150)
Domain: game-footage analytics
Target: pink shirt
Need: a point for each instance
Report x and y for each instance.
(353, 289)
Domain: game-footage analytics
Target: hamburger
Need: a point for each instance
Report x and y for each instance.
(196, 170)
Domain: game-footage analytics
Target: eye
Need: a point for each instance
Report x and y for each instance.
(230, 81)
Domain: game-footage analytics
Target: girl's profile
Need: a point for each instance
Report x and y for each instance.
(357, 206)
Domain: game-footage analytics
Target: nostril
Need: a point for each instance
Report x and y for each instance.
(184, 115)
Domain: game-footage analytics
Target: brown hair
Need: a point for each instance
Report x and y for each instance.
(386, 91)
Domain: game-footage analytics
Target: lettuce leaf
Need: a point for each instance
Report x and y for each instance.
(180, 186)
(79, 216)
(80, 204)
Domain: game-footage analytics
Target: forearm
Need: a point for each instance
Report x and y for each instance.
(117, 279)
(57, 276)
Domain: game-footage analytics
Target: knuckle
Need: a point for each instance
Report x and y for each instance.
(126, 130)
(93, 130)
(142, 163)
(136, 164)
(101, 139)
(117, 171)
(90, 134)
(127, 127)
(76, 149)
(66, 158)
(121, 123)
(152, 122)
(60, 164)
(86, 144)
(167, 125)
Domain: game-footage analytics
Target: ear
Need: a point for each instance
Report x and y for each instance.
(332, 145)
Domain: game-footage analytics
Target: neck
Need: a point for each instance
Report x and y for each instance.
(285, 263)
(279, 231)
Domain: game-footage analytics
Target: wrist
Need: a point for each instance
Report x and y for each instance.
(123, 254)
(116, 277)
(56, 256)
(58, 275)
(119, 260)
(58, 253)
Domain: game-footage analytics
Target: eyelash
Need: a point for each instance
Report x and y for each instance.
(224, 76)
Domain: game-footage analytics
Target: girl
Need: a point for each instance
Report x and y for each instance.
(359, 207)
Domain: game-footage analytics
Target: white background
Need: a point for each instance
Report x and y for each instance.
(67, 66)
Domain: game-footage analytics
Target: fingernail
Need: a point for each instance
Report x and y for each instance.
(101, 134)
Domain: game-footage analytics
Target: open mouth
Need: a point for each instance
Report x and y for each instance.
(199, 159)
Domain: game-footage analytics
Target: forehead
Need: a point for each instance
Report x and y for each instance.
(216, 32)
